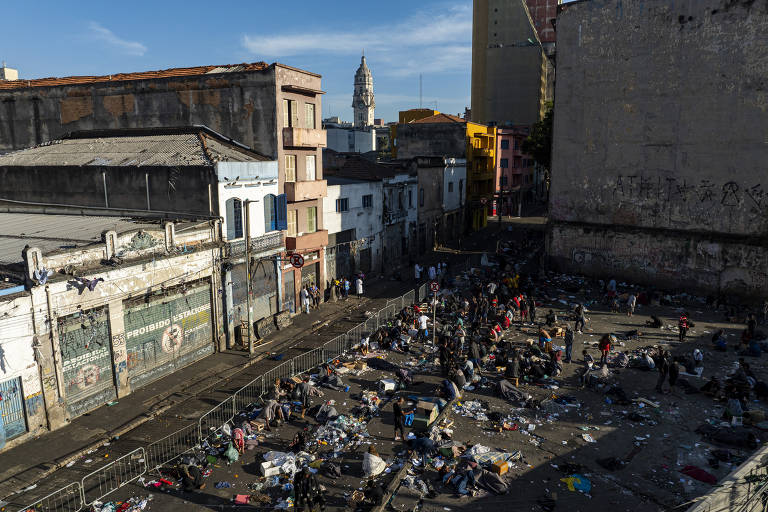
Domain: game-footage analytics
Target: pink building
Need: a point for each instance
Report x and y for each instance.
(514, 171)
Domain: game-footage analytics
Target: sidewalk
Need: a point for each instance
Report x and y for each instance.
(172, 402)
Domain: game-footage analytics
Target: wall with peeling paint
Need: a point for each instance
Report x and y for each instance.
(240, 105)
(661, 123)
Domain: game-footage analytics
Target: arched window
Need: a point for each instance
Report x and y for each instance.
(234, 218)
(270, 217)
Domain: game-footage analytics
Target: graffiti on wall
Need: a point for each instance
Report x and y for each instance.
(667, 202)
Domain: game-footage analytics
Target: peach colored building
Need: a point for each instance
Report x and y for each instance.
(514, 171)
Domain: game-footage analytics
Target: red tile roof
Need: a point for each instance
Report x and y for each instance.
(142, 75)
(440, 118)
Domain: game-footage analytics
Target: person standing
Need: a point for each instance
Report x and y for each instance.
(631, 303)
(605, 348)
(304, 297)
(580, 318)
(423, 319)
(662, 364)
(304, 391)
(308, 491)
(682, 325)
(432, 273)
(532, 309)
(417, 270)
(347, 286)
(359, 287)
(399, 418)
(568, 343)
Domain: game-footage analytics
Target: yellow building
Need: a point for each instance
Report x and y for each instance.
(481, 172)
(444, 135)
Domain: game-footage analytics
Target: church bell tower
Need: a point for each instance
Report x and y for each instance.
(362, 99)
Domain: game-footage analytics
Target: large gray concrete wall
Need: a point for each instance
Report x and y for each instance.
(240, 105)
(432, 139)
(661, 123)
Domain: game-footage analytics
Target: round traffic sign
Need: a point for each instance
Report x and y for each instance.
(434, 286)
(297, 260)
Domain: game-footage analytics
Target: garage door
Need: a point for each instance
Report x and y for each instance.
(167, 333)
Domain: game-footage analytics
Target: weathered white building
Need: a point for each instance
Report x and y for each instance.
(353, 211)
(101, 307)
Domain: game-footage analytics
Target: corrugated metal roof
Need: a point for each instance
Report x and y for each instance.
(56, 232)
(142, 75)
(180, 149)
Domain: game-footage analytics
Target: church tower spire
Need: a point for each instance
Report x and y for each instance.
(362, 99)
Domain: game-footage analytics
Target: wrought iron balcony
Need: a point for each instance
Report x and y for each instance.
(273, 240)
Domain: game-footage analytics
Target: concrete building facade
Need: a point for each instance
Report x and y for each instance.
(354, 211)
(167, 173)
(272, 108)
(659, 156)
(509, 64)
(101, 306)
(514, 172)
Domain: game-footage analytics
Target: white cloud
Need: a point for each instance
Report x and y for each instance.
(128, 47)
(423, 42)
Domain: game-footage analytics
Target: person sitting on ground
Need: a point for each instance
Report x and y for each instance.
(719, 341)
(191, 477)
(544, 338)
(622, 360)
(423, 446)
(711, 388)
(551, 318)
(655, 322)
(299, 441)
(238, 439)
(374, 493)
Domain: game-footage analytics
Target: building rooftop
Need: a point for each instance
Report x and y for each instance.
(359, 168)
(341, 180)
(187, 146)
(141, 75)
(439, 118)
(51, 233)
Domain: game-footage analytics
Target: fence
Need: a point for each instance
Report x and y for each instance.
(124, 470)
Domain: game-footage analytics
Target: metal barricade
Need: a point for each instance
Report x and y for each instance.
(66, 499)
(423, 293)
(308, 360)
(334, 348)
(249, 394)
(214, 419)
(107, 479)
(409, 298)
(371, 325)
(164, 450)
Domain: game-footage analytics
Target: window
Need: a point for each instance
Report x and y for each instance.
(309, 115)
(290, 113)
(342, 205)
(421, 197)
(450, 186)
(290, 168)
(504, 163)
(504, 143)
(517, 144)
(234, 218)
(311, 176)
(368, 201)
(291, 225)
(311, 219)
(270, 219)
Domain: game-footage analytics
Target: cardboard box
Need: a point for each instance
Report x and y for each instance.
(500, 467)
(427, 410)
(266, 466)
(361, 365)
(272, 472)
(387, 385)
(296, 379)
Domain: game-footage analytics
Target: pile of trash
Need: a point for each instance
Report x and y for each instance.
(341, 432)
(471, 409)
(134, 504)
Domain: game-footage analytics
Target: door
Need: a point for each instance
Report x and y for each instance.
(365, 260)
(289, 293)
(168, 332)
(87, 367)
(12, 420)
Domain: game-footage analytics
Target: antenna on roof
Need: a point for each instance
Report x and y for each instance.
(420, 90)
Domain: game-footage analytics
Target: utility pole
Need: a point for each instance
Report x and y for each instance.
(248, 273)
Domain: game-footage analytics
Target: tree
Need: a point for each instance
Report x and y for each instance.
(539, 143)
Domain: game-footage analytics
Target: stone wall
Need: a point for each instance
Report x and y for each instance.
(659, 150)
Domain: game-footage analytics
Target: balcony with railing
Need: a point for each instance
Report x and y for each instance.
(271, 241)
(304, 138)
(305, 190)
(307, 241)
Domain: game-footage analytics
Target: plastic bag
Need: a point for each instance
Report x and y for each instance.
(373, 465)
(231, 453)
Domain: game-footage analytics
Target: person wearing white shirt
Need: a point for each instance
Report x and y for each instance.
(423, 319)
(359, 287)
(432, 273)
(417, 270)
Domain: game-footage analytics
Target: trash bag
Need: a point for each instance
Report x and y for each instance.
(226, 430)
(331, 470)
(325, 413)
(231, 453)
(373, 465)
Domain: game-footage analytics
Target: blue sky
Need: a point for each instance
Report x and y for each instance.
(401, 38)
